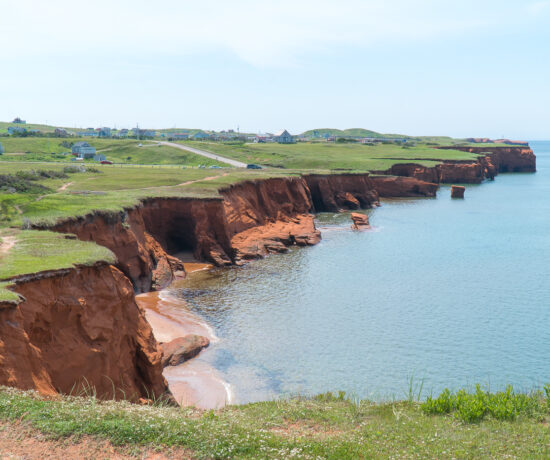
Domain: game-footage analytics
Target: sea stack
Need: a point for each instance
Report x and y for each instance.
(457, 191)
(360, 221)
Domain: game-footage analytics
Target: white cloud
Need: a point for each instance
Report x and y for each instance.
(259, 32)
(537, 8)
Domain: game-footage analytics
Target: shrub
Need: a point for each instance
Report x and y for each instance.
(12, 184)
(472, 407)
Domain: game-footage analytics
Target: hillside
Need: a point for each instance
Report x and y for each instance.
(352, 132)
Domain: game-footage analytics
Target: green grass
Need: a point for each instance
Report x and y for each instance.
(327, 426)
(36, 251)
(42, 149)
(113, 189)
(332, 156)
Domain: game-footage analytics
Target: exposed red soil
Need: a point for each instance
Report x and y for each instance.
(78, 330)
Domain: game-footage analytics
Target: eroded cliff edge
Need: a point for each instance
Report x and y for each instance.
(249, 220)
(491, 161)
(79, 330)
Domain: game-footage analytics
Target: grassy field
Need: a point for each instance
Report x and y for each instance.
(332, 156)
(116, 150)
(327, 426)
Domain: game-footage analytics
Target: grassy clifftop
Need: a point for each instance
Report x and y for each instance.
(326, 426)
(30, 251)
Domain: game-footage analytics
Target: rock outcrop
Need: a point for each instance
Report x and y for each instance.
(79, 330)
(182, 349)
(457, 191)
(360, 221)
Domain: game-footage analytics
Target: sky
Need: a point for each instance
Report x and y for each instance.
(417, 67)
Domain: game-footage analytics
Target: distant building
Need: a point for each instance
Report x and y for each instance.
(18, 120)
(105, 132)
(200, 135)
(16, 130)
(1, 149)
(141, 133)
(61, 132)
(83, 150)
(123, 133)
(284, 137)
(99, 157)
(179, 136)
(88, 134)
(260, 139)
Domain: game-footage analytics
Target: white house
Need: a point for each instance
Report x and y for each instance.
(83, 150)
(99, 157)
(284, 137)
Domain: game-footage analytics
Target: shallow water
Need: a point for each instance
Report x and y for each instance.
(452, 292)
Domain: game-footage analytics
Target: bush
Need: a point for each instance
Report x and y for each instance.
(472, 407)
(38, 174)
(13, 184)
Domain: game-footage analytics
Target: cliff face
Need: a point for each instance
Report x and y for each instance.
(249, 220)
(396, 186)
(125, 234)
(76, 329)
(494, 161)
(341, 191)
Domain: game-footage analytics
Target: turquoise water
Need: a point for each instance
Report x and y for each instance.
(452, 292)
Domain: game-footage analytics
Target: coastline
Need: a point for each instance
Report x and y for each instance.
(194, 382)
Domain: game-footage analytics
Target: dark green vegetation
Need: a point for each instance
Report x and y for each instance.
(327, 426)
(472, 407)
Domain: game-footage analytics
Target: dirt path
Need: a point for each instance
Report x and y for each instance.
(199, 180)
(64, 186)
(6, 243)
(18, 442)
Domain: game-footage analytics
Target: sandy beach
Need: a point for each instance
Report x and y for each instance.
(193, 383)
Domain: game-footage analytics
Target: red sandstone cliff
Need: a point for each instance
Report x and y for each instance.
(76, 329)
(341, 191)
(492, 160)
(396, 186)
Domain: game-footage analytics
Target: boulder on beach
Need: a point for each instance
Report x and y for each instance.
(360, 221)
(182, 349)
(457, 191)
